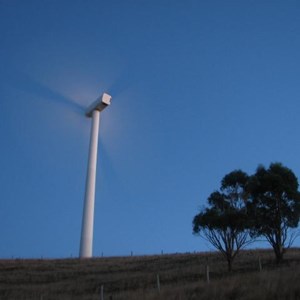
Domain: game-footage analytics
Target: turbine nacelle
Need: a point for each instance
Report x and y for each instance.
(102, 102)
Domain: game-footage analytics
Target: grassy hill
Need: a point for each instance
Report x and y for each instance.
(182, 276)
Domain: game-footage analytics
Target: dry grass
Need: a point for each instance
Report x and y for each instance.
(182, 277)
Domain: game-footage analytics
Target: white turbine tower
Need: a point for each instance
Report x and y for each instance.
(86, 242)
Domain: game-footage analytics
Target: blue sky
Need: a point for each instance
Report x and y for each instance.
(199, 88)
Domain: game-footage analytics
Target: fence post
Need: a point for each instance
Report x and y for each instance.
(207, 273)
(102, 293)
(259, 264)
(158, 283)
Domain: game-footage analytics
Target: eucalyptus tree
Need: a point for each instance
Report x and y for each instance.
(274, 206)
(224, 223)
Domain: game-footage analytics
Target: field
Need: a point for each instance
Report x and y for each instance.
(181, 276)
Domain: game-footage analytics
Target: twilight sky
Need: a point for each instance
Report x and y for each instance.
(199, 88)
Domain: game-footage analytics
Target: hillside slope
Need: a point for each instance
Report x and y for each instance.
(181, 276)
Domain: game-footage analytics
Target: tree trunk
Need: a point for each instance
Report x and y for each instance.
(229, 264)
(278, 254)
(279, 258)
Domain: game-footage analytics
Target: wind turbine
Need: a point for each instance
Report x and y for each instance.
(86, 242)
